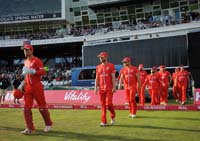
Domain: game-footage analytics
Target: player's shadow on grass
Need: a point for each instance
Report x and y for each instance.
(170, 118)
(68, 135)
(92, 137)
(157, 127)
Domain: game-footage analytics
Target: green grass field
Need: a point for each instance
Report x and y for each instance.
(82, 125)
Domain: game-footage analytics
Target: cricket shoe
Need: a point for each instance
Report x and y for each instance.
(132, 115)
(102, 124)
(183, 103)
(112, 121)
(27, 131)
(163, 103)
(126, 103)
(47, 129)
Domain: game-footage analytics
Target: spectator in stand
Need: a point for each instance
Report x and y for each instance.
(16, 84)
(4, 84)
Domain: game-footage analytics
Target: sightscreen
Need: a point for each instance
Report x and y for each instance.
(168, 51)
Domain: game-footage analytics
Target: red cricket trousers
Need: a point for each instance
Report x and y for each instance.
(164, 94)
(141, 95)
(155, 97)
(176, 93)
(106, 97)
(35, 92)
(183, 89)
(131, 98)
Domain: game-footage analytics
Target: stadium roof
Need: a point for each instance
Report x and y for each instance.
(101, 5)
(44, 51)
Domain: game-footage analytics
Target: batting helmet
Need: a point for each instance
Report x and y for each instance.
(18, 94)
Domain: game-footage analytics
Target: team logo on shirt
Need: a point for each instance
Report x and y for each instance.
(163, 77)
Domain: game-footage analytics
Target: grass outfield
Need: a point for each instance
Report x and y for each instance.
(82, 125)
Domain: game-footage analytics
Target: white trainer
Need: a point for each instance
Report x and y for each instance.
(126, 103)
(132, 115)
(47, 129)
(27, 131)
(183, 103)
(112, 121)
(102, 124)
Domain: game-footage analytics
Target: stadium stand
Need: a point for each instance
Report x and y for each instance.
(67, 25)
(85, 31)
(90, 30)
(21, 8)
(58, 75)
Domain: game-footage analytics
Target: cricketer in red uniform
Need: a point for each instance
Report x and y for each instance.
(105, 82)
(183, 82)
(33, 70)
(165, 80)
(126, 98)
(130, 78)
(175, 89)
(153, 82)
(142, 75)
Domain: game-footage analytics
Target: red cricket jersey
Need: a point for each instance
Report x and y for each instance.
(174, 78)
(153, 81)
(130, 79)
(142, 75)
(120, 73)
(104, 73)
(164, 77)
(35, 63)
(183, 77)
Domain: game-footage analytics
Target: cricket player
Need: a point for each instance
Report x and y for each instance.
(105, 84)
(121, 71)
(175, 89)
(183, 82)
(165, 77)
(142, 75)
(33, 70)
(130, 78)
(153, 82)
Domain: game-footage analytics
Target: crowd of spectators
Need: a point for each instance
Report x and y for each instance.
(57, 75)
(151, 22)
(51, 34)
